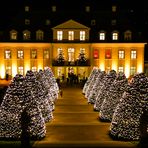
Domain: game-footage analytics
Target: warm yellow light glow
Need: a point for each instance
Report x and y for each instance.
(40, 67)
(139, 68)
(2, 72)
(102, 67)
(14, 70)
(127, 70)
(114, 66)
(27, 67)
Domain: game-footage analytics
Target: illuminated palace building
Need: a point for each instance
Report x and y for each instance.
(72, 38)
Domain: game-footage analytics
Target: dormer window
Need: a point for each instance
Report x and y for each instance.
(102, 35)
(93, 22)
(70, 35)
(59, 35)
(27, 22)
(39, 35)
(115, 36)
(26, 35)
(13, 35)
(82, 35)
(127, 35)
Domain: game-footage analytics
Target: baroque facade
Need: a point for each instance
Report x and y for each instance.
(73, 46)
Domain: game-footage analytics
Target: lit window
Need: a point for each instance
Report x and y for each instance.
(108, 54)
(115, 36)
(39, 35)
(54, 9)
(26, 8)
(20, 54)
(133, 54)
(21, 70)
(59, 35)
(120, 69)
(87, 8)
(82, 35)
(13, 35)
(27, 22)
(34, 69)
(121, 54)
(7, 54)
(132, 70)
(114, 8)
(46, 54)
(70, 35)
(70, 54)
(102, 36)
(34, 54)
(26, 35)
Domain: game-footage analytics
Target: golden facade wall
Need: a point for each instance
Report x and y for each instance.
(52, 47)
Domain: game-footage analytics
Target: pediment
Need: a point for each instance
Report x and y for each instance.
(71, 24)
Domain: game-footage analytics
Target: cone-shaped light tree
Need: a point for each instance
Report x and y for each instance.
(103, 92)
(114, 95)
(16, 99)
(125, 123)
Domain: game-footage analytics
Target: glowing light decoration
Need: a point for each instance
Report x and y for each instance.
(96, 87)
(114, 95)
(17, 98)
(102, 94)
(125, 122)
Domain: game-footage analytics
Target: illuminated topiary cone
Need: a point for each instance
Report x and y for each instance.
(126, 118)
(114, 95)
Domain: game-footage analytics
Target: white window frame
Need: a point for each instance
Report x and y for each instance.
(121, 54)
(115, 36)
(20, 54)
(133, 54)
(59, 35)
(82, 35)
(71, 57)
(102, 35)
(7, 54)
(70, 35)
